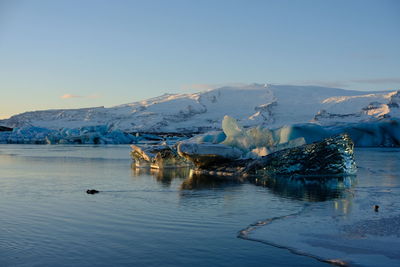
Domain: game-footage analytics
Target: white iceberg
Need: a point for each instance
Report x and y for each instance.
(251, 143)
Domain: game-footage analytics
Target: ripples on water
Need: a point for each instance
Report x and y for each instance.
(140, 218)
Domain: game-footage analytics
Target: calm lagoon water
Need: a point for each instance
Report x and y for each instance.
(142, 218)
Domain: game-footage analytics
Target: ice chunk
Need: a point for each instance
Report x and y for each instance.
(157, 157)
(205, 154)
(263, 151)
(213, 137)
(258, 152)
(231, 127)
(245, 140)
(372, 134)
(333, 156)
(310, 132)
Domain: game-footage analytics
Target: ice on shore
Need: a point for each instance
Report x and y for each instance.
(346, 229)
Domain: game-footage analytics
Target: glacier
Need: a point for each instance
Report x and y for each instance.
(256, 142)
(101, 134)
(253, 142)
(266, 105)
(281, 114)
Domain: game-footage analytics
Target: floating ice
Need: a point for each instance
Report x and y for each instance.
(257, 141)
(310, 132)
(384, 133)
(157, 157)
(204, 154)
(246, 140)
(213, 137)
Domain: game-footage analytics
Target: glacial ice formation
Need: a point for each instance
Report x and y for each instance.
(253, 142)
(85, 135)
(257, 141)
(26, 135)
(383, 133)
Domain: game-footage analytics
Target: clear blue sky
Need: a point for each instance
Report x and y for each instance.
(112, 52)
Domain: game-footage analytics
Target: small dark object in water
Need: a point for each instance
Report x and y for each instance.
(376, 208)
(92, 191)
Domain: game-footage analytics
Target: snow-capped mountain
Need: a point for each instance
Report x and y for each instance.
(255, 104)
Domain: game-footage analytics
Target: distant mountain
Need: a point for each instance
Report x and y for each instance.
(255, 104)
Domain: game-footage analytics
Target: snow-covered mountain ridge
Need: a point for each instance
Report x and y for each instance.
(267, 105)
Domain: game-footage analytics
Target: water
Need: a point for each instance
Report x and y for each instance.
(145, 218)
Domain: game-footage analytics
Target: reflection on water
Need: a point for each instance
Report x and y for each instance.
(199, 181)
(163, 176)
(307, 188)
(48, 219)
(342, 206)
(312, 189)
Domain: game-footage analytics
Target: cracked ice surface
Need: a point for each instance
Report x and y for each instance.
(347, 228)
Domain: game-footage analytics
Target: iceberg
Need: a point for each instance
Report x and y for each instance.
(157, 157)
(383, 133)
(252, 142)
(204, 155)
(330, 157)
(213, 137)
(245, 140)
(257, 141)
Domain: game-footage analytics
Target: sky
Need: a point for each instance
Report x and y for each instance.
(74, 53)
